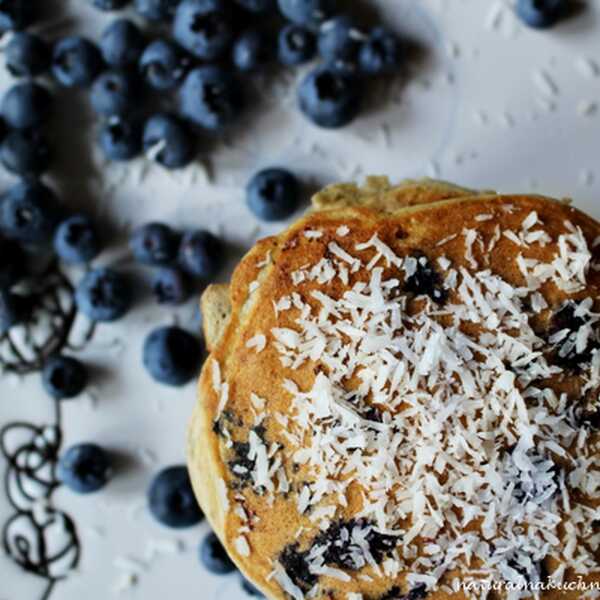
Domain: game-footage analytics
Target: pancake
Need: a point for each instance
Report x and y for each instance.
(401, 399)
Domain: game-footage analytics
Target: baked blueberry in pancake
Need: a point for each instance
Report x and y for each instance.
(401, 399)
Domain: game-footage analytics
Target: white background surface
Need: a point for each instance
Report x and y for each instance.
(490, 105)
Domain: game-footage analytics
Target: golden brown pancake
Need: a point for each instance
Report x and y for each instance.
(401, 399)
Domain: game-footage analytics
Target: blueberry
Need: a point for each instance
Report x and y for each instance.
(120, 138)
(310, 13)
(76, 240)
(380, 53)
(64, 377)
(12, 261)
(339, 39)
(167, 141)
(272, 194)
(16, 14)
(27, 55)
(84, 468)
(76, 62)
(170, 287)
(211, 97)
(296, 45)
(202, 28)
(26, 105)
(156, 10)
(103, 295)
(122, 43)
(25, 153)
(200, 254)
(114, 93)
(109, 4)
(214, 557)
(541, 14)
(256, 6)
(163, 65)
(154, 244)
(29, 213)
(171, 498)
(171, 355)
(252, 49)
(329, 98)
(12, 310)
(250, 589)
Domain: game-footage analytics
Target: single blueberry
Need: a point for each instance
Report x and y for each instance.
(200, 254)
(309, 13)
(12, 310)
(214, 557)
(27, 55)
(156, 10)
(202, 28)
(296, 45)
(26, 105)
(12, 262)
(339, 38)
(76, 62)
(122, 43)
(84, 468)
(172, 356)
(64, 377)
(211, 97)
(103, 295)
(329, 97)
(154, 244)
(114, 93)
(250, 588)
(171, 498)
(170, 287)
(252, 49)
(120, 138)
(16, 14)
(25, 153)
(163, 65)
(107, 5)
(380, 53)
(272, 194)
(541, 14)
(256, 6)
(29, 213)
(76, 240)
(167, 141)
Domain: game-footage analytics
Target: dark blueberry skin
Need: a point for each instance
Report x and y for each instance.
(12, 261)
(76, 240)
(163, 65)
(200, 254)
(252, 49)
(27, 55)
(12, 310)
(214, 557)
(541, 14)
(172, 356)
(25, 153)
(329, 98)
(114, 93)
(273, 194)
(426, 281)
(64, 377)
(107, 5)
(309, 13)
(76, 62)
(211, 98)
(29, 213)
(103, 295)
(203, 28)
(296, 45)
(26, 105)
(120, 138)
(256, 6)
(84, 468)
(339, 39)
(156, 10)
(122, 44)
(171, 499)
(154, 244)
(167, 141)
(381, 53)
(250, 589)
(16, 14)
(170, 287)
